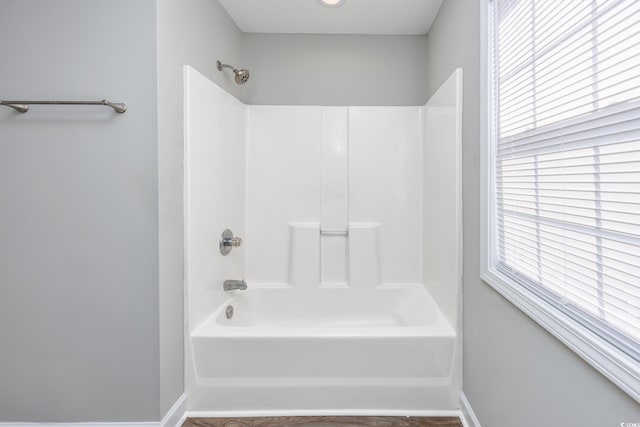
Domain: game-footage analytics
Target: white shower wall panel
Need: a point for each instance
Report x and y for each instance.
(442, 261)
(214, 191)
(283, 188)
(385, 185)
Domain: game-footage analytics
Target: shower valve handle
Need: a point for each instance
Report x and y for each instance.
(235, 242)
(228, 241)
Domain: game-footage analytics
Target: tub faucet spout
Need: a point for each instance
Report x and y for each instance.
(231, 285)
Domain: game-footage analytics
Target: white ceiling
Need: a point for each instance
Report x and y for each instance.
(353, 17)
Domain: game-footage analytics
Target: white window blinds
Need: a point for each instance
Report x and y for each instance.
(566, 98)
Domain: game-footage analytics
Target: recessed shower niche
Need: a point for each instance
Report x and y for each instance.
(350, 219)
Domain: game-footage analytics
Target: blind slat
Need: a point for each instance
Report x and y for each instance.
(508, 168)
(549, 207)
(624, 137)
(501, 196)
(572, 190)
(630, 170)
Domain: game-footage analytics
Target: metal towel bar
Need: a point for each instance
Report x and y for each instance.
(23, 106)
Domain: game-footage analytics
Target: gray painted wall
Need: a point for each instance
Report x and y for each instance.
(515, 373)
(197, 33)
(78, 217)
(303, 69)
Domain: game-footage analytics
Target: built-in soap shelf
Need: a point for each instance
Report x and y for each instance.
(329, 232)
(334, 258)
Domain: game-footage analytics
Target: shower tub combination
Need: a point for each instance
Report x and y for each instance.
(353, 299)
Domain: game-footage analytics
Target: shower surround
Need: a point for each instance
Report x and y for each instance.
(351, 227)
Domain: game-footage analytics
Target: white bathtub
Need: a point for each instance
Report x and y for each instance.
(299, 349)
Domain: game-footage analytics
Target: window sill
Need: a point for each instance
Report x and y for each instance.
(614, 364)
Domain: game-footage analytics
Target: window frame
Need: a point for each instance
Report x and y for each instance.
(613, 363)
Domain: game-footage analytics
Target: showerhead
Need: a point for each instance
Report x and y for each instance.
(241, 76)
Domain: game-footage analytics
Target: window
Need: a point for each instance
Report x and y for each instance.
(563, 172)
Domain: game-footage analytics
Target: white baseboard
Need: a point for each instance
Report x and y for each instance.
(467, 415)
(174, 418)
(177, 414)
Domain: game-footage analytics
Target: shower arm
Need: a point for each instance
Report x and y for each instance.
(220, 66)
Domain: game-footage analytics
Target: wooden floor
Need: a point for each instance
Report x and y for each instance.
(325, 422)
